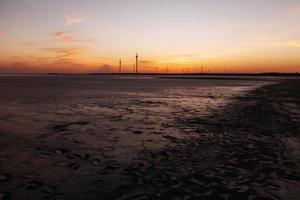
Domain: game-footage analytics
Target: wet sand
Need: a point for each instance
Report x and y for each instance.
(249, 150)
(170, 139)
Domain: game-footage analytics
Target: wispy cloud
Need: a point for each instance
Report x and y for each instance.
(65, 52)
(73, 20)
(16, 67)
(70, 36)
(63, 61)
(147, 62)
(66, 36)
(106, 68)
(2, 33)
(59, 65)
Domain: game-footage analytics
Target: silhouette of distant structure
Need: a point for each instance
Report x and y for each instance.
(137, 63)
(120, 66)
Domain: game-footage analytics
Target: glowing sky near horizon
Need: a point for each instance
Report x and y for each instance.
(85, 36)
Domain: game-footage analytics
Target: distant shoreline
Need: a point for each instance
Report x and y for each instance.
(159, 74)
(190, 74)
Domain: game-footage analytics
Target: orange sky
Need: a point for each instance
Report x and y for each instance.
(90, 36)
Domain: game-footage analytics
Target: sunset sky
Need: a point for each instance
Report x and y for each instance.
(87, 36)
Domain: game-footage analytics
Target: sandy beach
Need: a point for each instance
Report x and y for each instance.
(149, 100)
(70, 137)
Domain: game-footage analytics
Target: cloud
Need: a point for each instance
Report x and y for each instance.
(65, 52)
(3, 33)
(59, 66)
(69, 36)
(66, 36)
(16, 67)
(106, 68)
(147, 62)
(63, 61)
(73, 20)
(294, 43)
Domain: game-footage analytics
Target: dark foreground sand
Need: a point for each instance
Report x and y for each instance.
(248, 150)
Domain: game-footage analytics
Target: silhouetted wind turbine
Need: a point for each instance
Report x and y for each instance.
(120, 66)
(136, 64)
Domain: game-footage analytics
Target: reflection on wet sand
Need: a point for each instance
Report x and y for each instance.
(90, 137)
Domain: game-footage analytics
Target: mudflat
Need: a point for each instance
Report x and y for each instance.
(149, 138)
